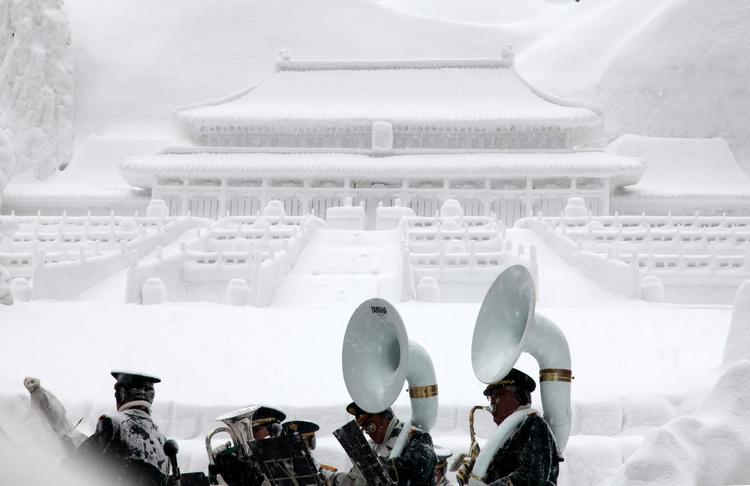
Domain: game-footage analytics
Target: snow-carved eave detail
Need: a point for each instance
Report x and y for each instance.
(392, 64)
(596, 108)
(143, 171)
(179, 111)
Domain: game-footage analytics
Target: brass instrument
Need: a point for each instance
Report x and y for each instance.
(465, 463)
(238, 425)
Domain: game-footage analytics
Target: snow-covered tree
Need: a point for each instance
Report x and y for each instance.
(36, 86)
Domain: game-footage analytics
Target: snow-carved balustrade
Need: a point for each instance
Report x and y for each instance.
(54, 239)
(258, 251)
(697, 258)
(462, 254)
(66, 274)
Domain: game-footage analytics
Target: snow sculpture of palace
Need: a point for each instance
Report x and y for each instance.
(316, 132)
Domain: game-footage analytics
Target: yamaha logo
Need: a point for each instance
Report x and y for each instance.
(378, 310)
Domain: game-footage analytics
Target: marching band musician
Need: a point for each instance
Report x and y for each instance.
(129, 442)
(233, 470)
(416, 464)
(442, 466)
(530, 455)
(307, 431)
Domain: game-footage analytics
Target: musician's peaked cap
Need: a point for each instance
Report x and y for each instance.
(130, 379)
(302, 427)
(514, 377)
(442, 454)
(361, 415)
(266, 415)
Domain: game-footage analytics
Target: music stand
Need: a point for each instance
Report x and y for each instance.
(362, 455)
(285, 461)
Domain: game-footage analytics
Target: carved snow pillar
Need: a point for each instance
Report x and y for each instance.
(607, 194)
(528, 199)
(222, 199)
(184, 198)
(487, 198)
(305, 196)
(265, 184)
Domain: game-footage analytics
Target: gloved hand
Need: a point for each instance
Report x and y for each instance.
(327, 473)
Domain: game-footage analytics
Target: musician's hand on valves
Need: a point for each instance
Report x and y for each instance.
(220, 480)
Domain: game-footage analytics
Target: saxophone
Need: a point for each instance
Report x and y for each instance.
(465, 463)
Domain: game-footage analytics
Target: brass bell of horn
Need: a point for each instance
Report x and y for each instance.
(377, 358)
(238, 425)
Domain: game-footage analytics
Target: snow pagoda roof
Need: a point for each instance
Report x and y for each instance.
(395, 91)
(140, 171)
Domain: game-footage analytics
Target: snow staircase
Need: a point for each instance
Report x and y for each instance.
(344, 268)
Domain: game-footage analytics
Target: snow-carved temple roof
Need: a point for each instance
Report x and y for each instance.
(139, 171)
(395, 91)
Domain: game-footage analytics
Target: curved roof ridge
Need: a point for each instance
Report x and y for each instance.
(224, 99)
(560, 100)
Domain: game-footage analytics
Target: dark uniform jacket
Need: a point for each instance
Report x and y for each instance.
(414, 467)
(416, 464)
(129, 448)
(529, 457)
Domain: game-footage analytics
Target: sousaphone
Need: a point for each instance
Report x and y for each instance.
(377, 358)
(506, 326)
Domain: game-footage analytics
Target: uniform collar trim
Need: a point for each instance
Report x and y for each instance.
(134, 404)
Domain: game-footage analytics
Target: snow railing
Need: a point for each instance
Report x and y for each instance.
(689, 237)
(702, 247)
(199, 274)
(704, 236)
(415, 222)
(473, 260)
(644, 221)
(679, 263)
(252, 233)
(59, 279)
(452, 250)
(46, 231)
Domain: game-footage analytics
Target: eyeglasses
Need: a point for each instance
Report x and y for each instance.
(501, 390)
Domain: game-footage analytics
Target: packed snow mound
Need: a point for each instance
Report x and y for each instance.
(476, 11)
(710, 447)
(36, 85)
(737, 346)
(576, 54)
(685, 75)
